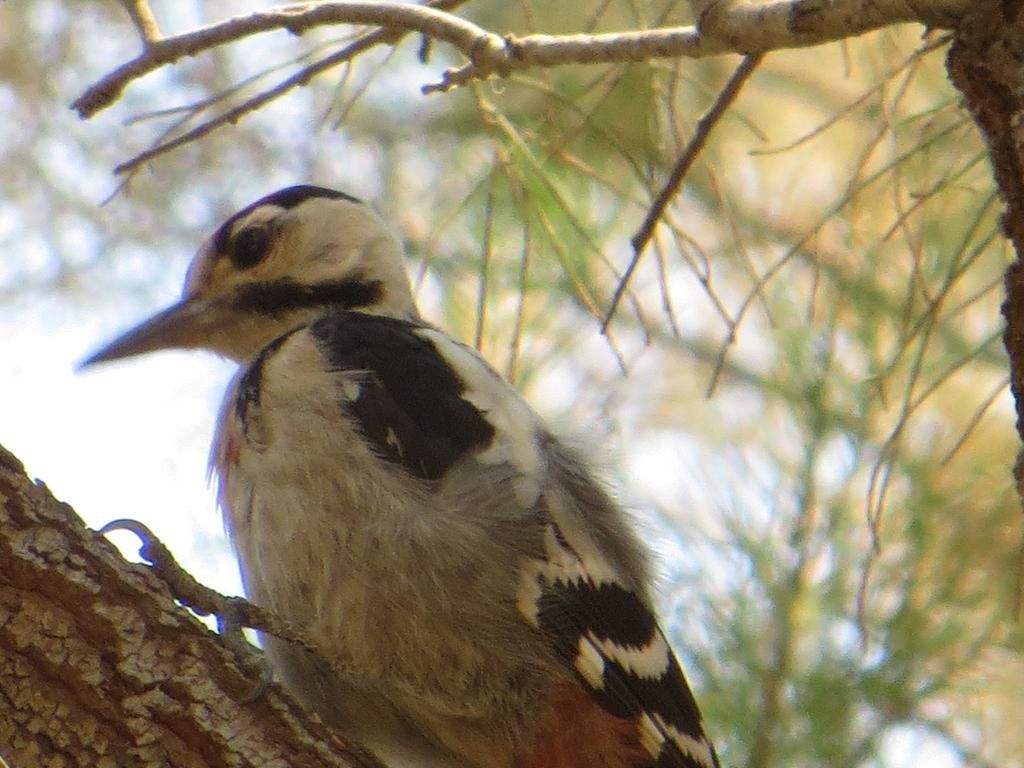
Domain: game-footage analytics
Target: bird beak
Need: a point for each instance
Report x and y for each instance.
(189, 323)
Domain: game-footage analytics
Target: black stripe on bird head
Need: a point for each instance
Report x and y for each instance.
(276, 298)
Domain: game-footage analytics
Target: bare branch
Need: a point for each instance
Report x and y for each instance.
(298, 18)
(742, 27)
(349, 52)
(725, 27)
(236, 113)
(700, 136)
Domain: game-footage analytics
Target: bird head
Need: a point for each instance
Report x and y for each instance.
(273, 266)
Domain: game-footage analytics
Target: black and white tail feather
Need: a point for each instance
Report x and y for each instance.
(603, 625)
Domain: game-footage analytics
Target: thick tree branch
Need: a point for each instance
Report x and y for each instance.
(725, 27)
(99, 665)
(985, 64)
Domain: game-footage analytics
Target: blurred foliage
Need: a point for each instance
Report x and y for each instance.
(806, 381)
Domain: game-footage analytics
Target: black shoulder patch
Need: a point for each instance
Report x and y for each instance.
(410, 403)
(289, 197)
(280, 296)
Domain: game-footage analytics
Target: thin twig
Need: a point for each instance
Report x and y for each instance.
(193, 108)
(798, 246)
(701, 132)
(485, 263)
(663, 284)
(520, 321)
(975, 420)
(300, 78)
(847, 110)
(144, 21)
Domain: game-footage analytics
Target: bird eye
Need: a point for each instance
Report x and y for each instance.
(250, 247)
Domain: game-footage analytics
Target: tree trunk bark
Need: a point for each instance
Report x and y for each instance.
(99, 666)
(986, 63)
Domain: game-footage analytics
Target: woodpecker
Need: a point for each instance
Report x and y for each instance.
(476, 597)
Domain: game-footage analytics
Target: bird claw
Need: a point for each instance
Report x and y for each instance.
(232, 613)
(262, 684)
(230, 625)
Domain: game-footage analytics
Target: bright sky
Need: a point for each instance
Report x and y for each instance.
(126, 439)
